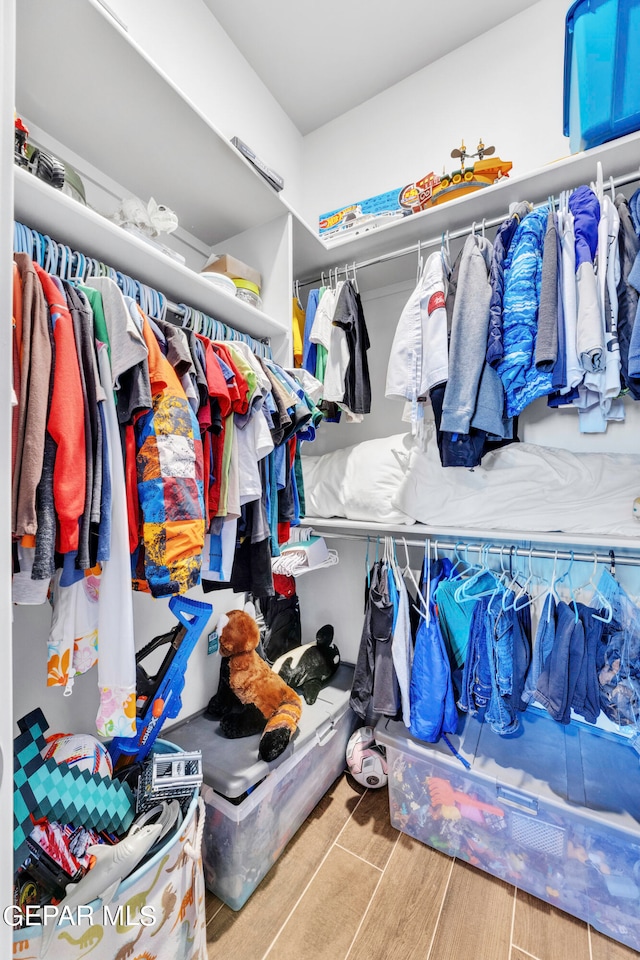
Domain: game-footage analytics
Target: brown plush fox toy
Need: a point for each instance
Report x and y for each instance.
(251, 698)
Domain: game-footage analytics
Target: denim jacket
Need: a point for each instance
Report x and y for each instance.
(498, 658)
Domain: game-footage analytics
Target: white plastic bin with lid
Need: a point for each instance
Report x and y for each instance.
(170, 885)
(554, 810)
(244, 837)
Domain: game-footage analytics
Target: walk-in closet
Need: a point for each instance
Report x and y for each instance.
(320, 397)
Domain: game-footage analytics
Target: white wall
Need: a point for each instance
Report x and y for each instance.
(189, 44)
(77, 712)
(382, 308)
(505, 86)
(7, 101)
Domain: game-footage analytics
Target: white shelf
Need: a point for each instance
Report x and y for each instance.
(411, 531)
(147, 135)
(84, 81)
(51, 212)
(618, 157)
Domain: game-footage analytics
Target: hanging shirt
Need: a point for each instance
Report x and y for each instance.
(170, 486)
(575, 372)
(309, 348)
(16, 345)
(321, 329)
(337, 350)
(357, 385)
(608, 280)
(547, 338)
(597, 401)
(126, 343)
(297, 327)
(402, 646)
(629, 245)
(116, 660)
(418, 359)
(585, 208)
(72, 647)
(82, 317)
(35, 348)
(474, 393)
(66, 420)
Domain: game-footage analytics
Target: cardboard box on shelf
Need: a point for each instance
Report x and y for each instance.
(232, 267)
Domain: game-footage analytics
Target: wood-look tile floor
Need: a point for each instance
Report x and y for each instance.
(350, 887)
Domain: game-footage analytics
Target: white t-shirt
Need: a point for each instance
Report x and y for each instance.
(419, 355)
(337, 356)
(322, 322)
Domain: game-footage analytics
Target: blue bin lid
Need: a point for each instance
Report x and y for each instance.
(574, 9)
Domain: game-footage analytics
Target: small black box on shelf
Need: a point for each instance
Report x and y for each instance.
(276, 181)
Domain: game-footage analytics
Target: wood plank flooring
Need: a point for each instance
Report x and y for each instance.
(350, 887)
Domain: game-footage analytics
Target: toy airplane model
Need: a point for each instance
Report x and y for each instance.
(112, 865)
(159, 694)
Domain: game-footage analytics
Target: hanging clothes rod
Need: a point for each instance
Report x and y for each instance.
(61, 260)
(449, 543)
(620, 181)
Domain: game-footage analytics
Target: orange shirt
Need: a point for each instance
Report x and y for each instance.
(66, 419)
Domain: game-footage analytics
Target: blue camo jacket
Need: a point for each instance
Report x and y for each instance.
(522, 381)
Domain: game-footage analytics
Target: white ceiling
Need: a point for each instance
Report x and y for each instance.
(320, 58)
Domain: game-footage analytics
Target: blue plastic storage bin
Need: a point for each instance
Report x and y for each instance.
(601, 72)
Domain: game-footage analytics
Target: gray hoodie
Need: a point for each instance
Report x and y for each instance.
(474, 395)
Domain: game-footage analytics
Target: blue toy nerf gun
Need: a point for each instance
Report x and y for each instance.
(158, 696)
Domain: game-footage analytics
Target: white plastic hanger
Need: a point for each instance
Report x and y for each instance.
(463, 593)
(597, 594)
(408, 572)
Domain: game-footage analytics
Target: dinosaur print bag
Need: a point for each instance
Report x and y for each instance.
(170, 888)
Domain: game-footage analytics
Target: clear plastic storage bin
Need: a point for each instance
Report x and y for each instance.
(554, 810)
(601, 74)
(243, 839)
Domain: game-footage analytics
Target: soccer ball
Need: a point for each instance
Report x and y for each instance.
(367, 762)
(79, 750)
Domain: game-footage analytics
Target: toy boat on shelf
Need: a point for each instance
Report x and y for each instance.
(433, 190)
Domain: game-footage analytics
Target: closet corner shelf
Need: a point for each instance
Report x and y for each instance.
(112, 105)
(360, 528)
(51, 212)
(617, 157)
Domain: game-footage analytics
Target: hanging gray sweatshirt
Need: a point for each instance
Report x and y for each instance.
(474, 395)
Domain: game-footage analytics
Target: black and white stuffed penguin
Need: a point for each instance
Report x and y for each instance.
(311, 665)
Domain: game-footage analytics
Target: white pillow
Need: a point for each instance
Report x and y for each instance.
(358, 482)
(525, 487)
